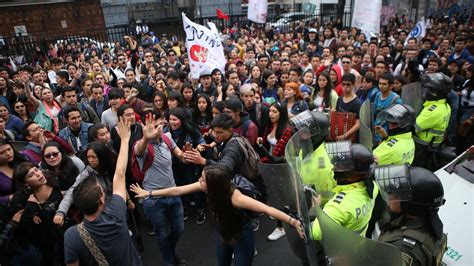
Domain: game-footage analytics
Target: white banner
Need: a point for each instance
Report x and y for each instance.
(367, 15)
(204, 46)
(257, 11)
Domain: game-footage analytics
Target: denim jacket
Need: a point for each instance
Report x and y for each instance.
(67, 135)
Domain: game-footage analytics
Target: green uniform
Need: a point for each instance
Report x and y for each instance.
(415, 240)
(318, 171)
(397, 149)
(432, 122)
(350, 207)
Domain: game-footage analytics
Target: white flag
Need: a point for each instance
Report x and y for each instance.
(367, 15)
(257, 11)
(419, 31)
(204, 46)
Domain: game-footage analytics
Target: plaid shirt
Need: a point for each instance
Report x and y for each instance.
(279, 148)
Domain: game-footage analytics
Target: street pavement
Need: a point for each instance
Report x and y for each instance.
(197, 244)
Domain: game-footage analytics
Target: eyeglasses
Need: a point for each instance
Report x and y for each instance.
(19, 106)
(346, 62)
(344, 84)
(51, 155)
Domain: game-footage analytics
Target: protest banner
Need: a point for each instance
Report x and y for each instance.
(367, 16)
(257, 11)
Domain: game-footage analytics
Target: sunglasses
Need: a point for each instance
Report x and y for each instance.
(346, 62)
(51, 155)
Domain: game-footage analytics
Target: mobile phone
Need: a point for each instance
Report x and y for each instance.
(188, 146)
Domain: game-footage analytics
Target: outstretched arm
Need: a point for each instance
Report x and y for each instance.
(241, 201)
(165, 192)
(123, 130)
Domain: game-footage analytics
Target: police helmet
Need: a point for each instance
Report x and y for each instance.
(350, 160)
(436, 86)
(316, 122)
(401, 114)
(419, 191)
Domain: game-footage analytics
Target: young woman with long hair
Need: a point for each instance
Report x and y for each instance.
(271, 92)
(59, 165)
(39, 196)
(186, 136)
(202, 113)
(323, 95)
(227, 206)
(189, 96)
(101, 162)
(9, 159)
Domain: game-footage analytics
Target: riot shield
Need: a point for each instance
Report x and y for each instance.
(286, 192)
(411, 95)
(366, 137)
(344, 247)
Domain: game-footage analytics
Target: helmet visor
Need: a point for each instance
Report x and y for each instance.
(396, 113)
(340, 153)
(307, 120)
(394, 182)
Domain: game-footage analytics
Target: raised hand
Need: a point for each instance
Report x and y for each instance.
(123, 129)
(151, 130)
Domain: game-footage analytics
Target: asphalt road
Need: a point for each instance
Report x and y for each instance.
(197, 245)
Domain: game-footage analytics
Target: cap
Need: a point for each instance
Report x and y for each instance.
(205, 73)
(234, 104)
(237, 61)
(313, 30)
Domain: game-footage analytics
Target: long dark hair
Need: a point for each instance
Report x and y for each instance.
(327, 90)
(192, 102)
(107, 158)
(283, 121)
(187, 127)
(17, 157)
(20, 174)
(227, 219)
(163, 96)
(66, 172)
(197, 112)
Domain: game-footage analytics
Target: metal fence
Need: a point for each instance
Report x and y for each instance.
(25, 45)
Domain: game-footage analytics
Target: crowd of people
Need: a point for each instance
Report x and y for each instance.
(70, 120)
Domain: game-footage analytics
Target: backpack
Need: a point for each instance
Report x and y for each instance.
(249, 168)
(138, 172)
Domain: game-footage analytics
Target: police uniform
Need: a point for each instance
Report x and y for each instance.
(397, 149)
(432, 122)
(351, 207)
(318, 171)
(415, 240)
(430, 127)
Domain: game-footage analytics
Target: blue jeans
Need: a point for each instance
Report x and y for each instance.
(243, 249)
(166, 216)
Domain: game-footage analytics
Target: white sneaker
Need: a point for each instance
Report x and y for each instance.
(276, 234)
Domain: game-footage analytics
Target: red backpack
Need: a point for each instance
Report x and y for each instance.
(138, 173)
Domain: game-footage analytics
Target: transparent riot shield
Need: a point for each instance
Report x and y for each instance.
(366, 137)
(286, 192)
(411, 95)
(344, 247)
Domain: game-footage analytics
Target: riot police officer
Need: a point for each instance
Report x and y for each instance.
(316, 169)
(431, 123)
(397, 146)
(414, 196)
(355, 193)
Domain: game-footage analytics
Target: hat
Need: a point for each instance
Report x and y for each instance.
(234, 104)
(313, 30)
(238, 60)
(205, 73)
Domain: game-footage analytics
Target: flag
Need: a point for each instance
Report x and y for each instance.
(367, 16)
(419, 31)
(221, 15)
(204, 46)
(257, 11)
